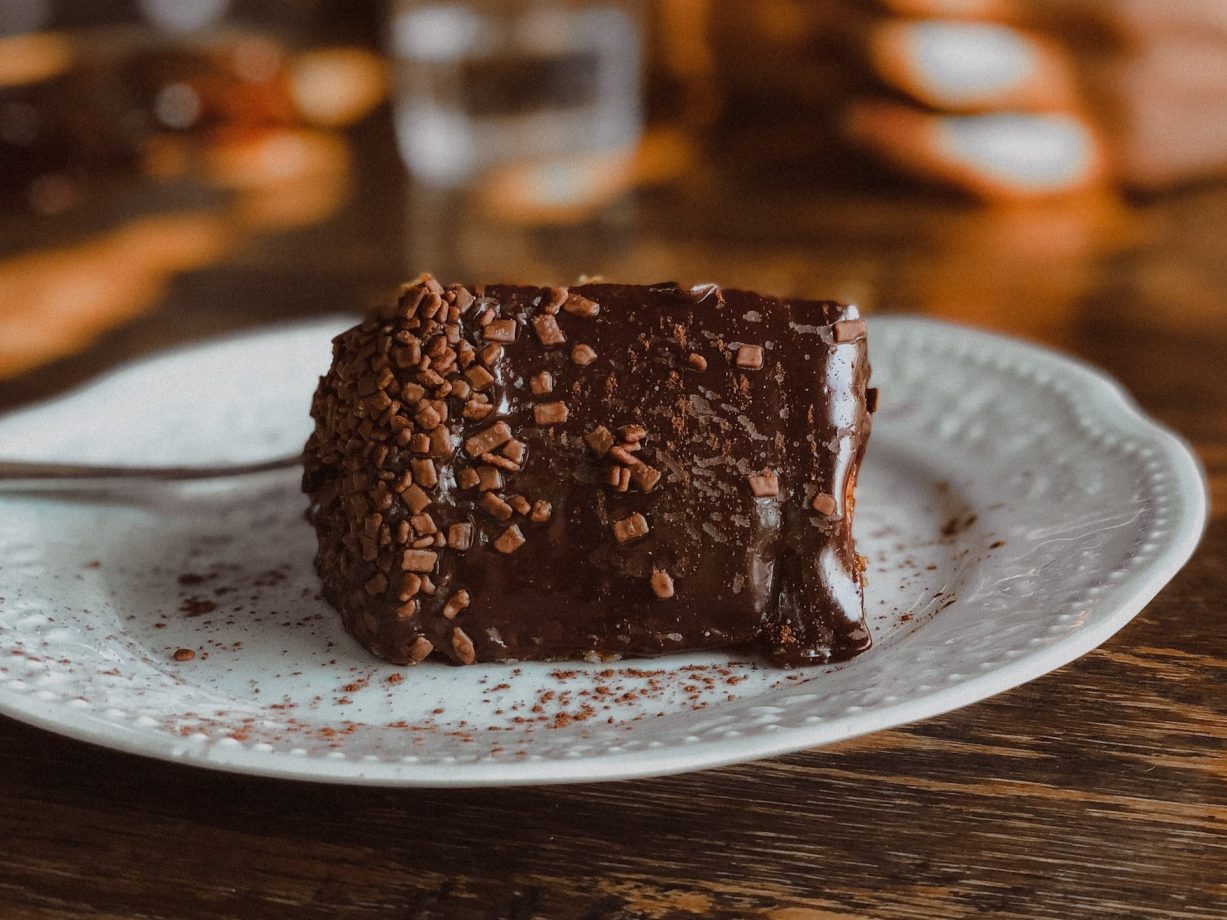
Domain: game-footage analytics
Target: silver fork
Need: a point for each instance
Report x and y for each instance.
(18, 472)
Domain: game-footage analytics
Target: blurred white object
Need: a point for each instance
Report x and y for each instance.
(184, 15)
(17, 17)
(483, 84)
(956, 63)
(1040, 152)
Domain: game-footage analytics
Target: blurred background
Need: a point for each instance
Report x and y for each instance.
(171, 169)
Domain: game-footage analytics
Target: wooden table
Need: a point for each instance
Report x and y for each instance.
(1098, 791)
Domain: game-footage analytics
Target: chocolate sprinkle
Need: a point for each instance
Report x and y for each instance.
(824, 504)
(581, 306)
(460, 535)
(501, 331)
(599, 440)
(420, 649)
(750, 357)
(456, 603)
(419, 560)
(645, 477)
(489, 478)
(848, 330)
(509, 540)
(496, 435)
(662, 583)
(765, 484)
(619, 478)
(630, 528)
(554, 413)
(496, 507)
(548, 331)
(554, 299)
(542, 383)
(463, 646)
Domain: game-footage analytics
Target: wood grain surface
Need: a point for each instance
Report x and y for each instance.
(1097, 791)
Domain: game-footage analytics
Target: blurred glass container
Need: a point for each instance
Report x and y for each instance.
(483, 86)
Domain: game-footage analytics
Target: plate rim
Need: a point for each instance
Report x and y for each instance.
(1107, 397)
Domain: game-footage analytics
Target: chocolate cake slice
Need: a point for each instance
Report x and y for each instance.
(504, 473)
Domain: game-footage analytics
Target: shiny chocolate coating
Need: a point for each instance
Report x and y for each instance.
(727, 425)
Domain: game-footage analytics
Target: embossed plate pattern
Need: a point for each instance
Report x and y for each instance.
(1016, 508)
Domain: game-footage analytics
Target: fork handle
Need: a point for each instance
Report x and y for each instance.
(17, 471)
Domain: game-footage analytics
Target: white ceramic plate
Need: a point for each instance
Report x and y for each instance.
(1016, 508)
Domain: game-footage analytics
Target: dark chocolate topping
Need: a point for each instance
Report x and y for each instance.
(684, 481)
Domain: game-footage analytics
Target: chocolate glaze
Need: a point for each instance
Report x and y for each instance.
(767, 571)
